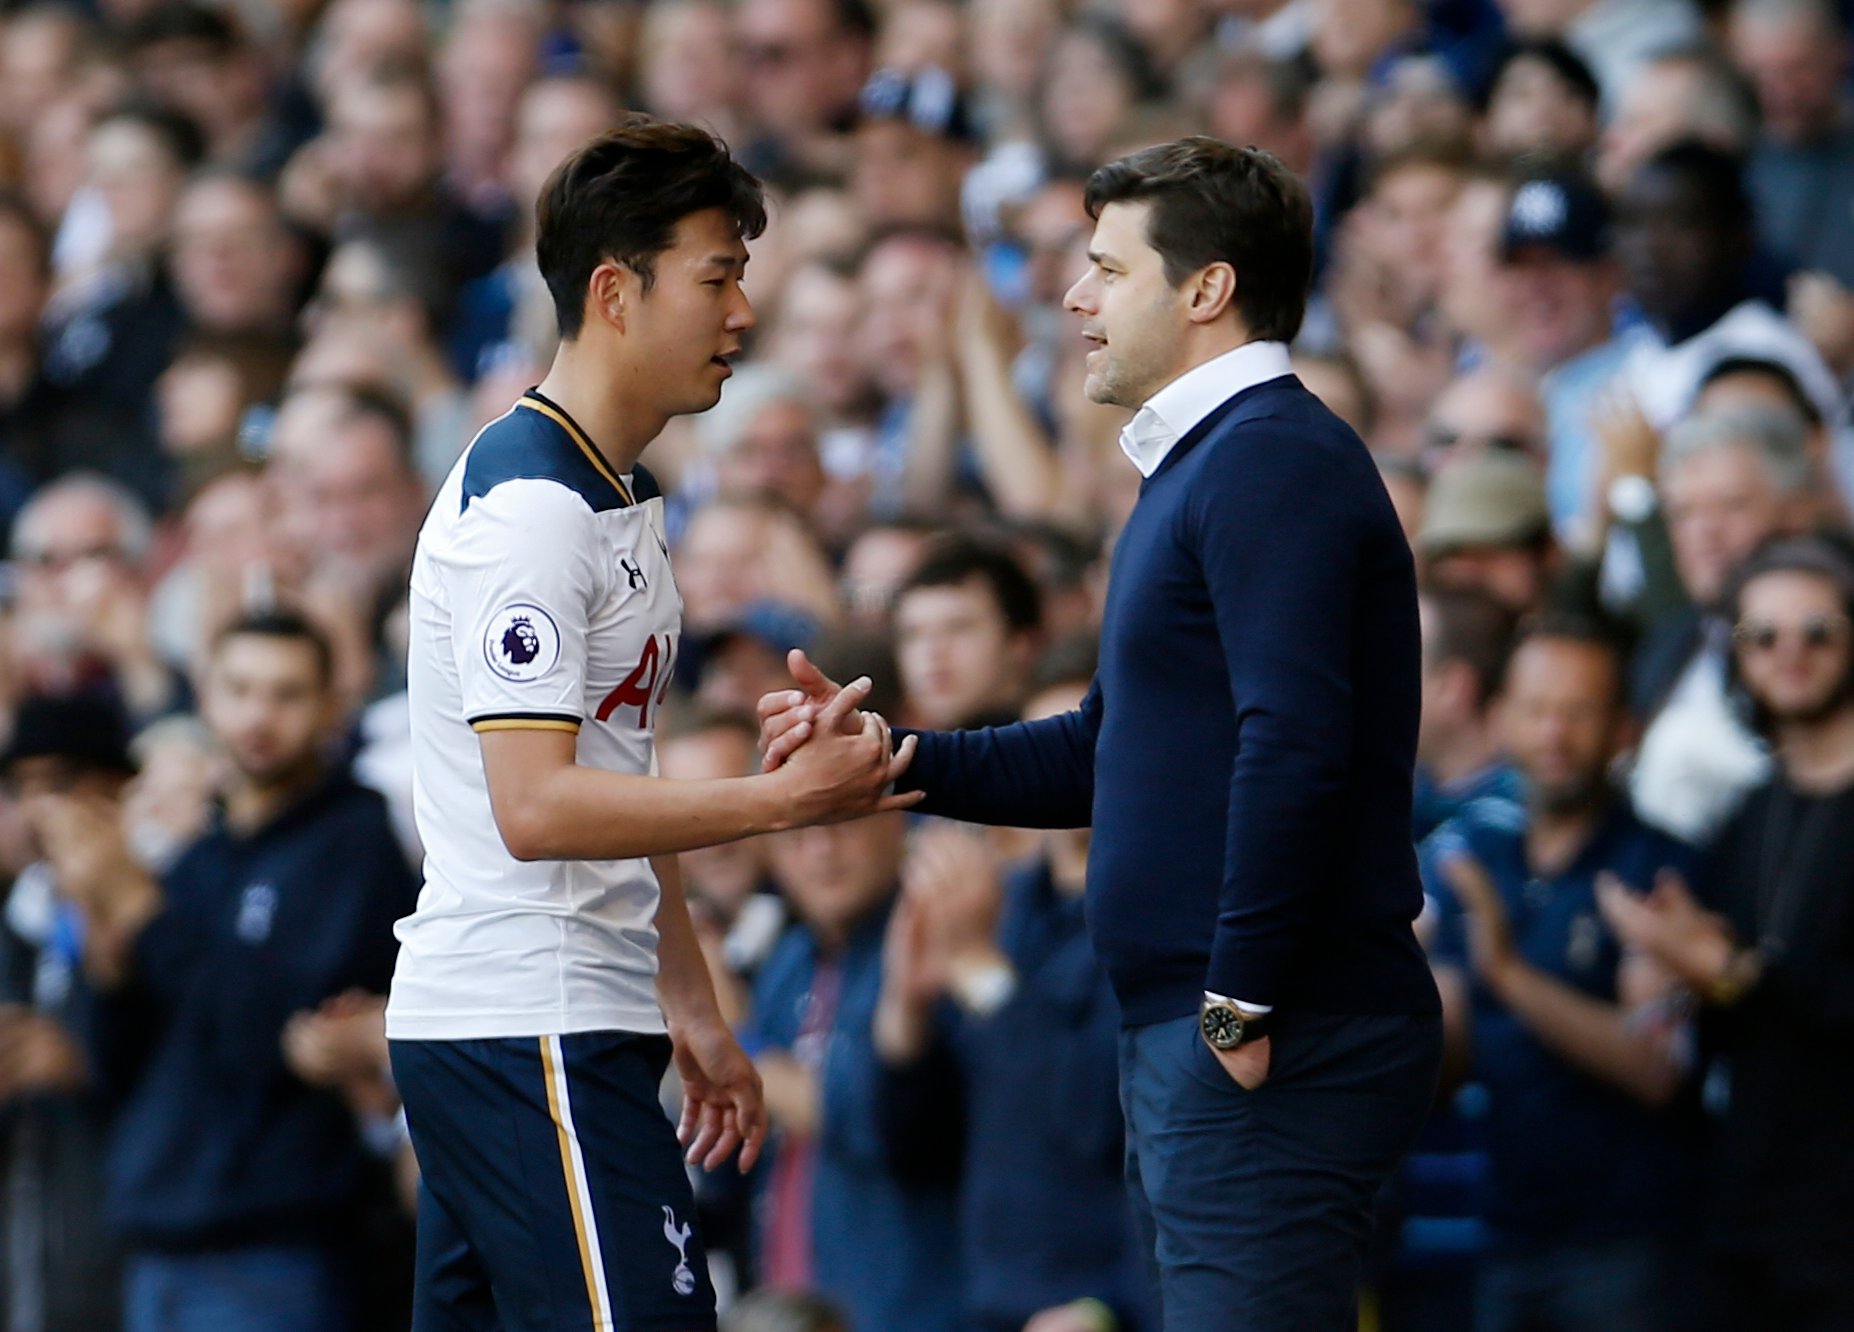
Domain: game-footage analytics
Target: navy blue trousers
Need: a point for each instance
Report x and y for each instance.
(1257, 1205)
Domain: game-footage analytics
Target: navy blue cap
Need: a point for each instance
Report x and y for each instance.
(1565, 213)
(85, 729)
(927, 99)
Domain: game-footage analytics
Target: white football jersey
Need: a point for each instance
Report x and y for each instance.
(541, 598)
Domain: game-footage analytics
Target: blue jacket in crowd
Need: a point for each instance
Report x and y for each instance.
(215, 1141)
(1044, 1218)
(882, 1220)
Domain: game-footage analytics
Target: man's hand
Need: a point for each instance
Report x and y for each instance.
(848, 763)
(952, 873)
(83, 840)
(1670, 926)
(37, 1055)
(1490, 932)
(1247, 1063)
(913, 978)
(723, 1107)
(788, 717)
(342, 1046)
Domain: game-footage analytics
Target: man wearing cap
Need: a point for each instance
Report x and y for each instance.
(1558, 284)
(63, 1271)
(1486, 526)
(913, 146)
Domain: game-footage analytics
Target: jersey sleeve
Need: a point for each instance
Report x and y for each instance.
(526, 580)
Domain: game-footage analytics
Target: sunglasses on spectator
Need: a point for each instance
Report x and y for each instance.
(1443, 439)
(1815, 633)
(57, 561)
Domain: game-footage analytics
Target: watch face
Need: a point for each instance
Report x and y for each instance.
(1222, 1026)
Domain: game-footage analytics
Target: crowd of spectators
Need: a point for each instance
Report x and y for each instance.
(1585, 287)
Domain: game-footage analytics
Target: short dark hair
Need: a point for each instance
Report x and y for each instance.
(1570, 68)
(955, 561)
(1776, 372)
(185, 21)
(1718, 175)
(284, 624)
(620, 197)
(1473, 627)
(180, 137)
(1215, 203)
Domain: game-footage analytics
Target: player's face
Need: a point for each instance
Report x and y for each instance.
(1133, 320)
(695, 314)
(267, 702)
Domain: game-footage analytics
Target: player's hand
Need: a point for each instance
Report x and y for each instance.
(723, 1105)
(848, 763)
(788, 716)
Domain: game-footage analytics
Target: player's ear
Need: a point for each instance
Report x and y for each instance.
(610, 292)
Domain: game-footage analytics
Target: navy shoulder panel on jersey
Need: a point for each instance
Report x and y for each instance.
(644, 485)
(537, 441)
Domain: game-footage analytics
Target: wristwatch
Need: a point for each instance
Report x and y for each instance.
(1226, 1026)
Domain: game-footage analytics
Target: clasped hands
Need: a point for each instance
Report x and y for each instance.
(843, 758)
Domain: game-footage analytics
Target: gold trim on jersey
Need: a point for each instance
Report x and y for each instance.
(525, 724)
(537, 404)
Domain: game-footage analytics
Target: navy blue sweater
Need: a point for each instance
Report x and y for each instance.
(215, 1140)
(1245, 755)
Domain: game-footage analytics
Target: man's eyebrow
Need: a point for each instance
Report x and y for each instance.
(730, 262)
(1103, 259)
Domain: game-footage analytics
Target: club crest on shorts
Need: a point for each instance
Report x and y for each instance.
(684, 1278)
(522, 642)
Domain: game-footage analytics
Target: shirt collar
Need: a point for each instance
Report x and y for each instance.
(1171, 413)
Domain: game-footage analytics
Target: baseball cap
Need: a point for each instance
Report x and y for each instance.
(82, 728)
(1563, 212)
(1486, 499)
(927, 99)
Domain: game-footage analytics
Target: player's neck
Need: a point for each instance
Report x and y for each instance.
(610, 405)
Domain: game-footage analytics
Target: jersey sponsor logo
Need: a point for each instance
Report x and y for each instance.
(683, 1279)
(633, 572)
(522, 642)
(646, 685)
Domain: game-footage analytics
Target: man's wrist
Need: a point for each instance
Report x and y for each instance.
(1240, 1005)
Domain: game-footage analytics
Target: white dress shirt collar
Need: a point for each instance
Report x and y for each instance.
(1169, 414)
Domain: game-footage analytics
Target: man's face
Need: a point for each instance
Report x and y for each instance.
(1675, 256)
(70, 555)
(904, 176)
(776, 454)
(695, 313)
(1535, 110)
(816, 337)
(1721, 505)
(267, 702)
(1557, 306)
(907, 289)
(1514, 576)
(1793, 645)
(363, 498)
(385, 147)
(803, 70)
(835, 875)
(1134, 320)
(1797, 71)
(1561, 719)
(234, 263)
(959, 658)
(1479, 412)
(554, 118)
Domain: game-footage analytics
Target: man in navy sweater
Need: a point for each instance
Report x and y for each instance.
(1244, 756)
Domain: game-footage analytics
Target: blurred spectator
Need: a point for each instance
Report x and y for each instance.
(238, 269)
(63, 1271)
(1729, 482)
(690, 65)
(805, 61)
(1795, 52)
(1614, 37)
(1768, 945)
(739, 550)
(913, 145)
(1684, 227)
(881, 559)
(1682, 93)
(1557, 285)
(966, 636)
(1486, 526)
(1591, 1173)
(1485, 411)
(763, 439)
(45, 46)
(390, 304)
(195, 59)
(1544, 101)
(81, 614)
(1044, 1216)
(209, 400)
(1466, 637)
(908, 281)
(1095, 77)
(488, 58)
(865, 1217)
(201, 969)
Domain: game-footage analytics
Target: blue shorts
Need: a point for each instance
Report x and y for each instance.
(552, 1192)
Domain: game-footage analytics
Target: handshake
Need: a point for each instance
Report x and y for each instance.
(837, 761)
